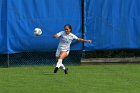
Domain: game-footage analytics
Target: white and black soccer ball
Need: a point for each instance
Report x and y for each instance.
(37, 31)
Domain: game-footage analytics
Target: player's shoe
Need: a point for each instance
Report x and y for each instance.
(56, 69)
(66, 71)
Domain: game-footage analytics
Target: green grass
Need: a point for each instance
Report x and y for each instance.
(122, 78)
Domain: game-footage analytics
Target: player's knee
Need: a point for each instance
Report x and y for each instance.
(63, 56)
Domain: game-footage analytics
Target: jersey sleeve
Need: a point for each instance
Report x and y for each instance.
(75, 37)
(60, 33)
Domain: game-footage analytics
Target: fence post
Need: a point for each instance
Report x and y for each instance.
(83, 27)
(7, 61)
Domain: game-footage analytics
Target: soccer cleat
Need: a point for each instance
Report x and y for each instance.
(66, 71)
(56, 69)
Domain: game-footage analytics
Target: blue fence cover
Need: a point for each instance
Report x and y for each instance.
(3, 26)
(19, 18)
(112, 24)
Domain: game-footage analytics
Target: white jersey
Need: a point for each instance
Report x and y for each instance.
(65, 40)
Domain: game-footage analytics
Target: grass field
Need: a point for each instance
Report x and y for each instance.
(118, 78)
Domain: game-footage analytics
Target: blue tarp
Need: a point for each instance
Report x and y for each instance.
(19, 18)
(3, 26)
(111, 24)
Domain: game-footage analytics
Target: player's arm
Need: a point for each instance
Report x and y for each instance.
(58, 34)
(83, 40)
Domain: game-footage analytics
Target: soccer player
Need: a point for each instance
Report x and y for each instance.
(63, 49)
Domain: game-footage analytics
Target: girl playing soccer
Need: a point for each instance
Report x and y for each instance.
(63, 49)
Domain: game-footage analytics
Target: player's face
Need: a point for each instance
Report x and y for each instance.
(67, 30)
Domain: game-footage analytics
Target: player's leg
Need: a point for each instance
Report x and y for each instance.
(60, 55)
(64, 54)
(57, 57)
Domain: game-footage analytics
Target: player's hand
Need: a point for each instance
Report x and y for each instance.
(55, 36)
(89, 41)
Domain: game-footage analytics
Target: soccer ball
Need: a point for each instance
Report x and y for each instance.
(37, 31)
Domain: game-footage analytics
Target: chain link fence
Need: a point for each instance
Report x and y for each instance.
(37, 58)
(74, 58)
(122, 53)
